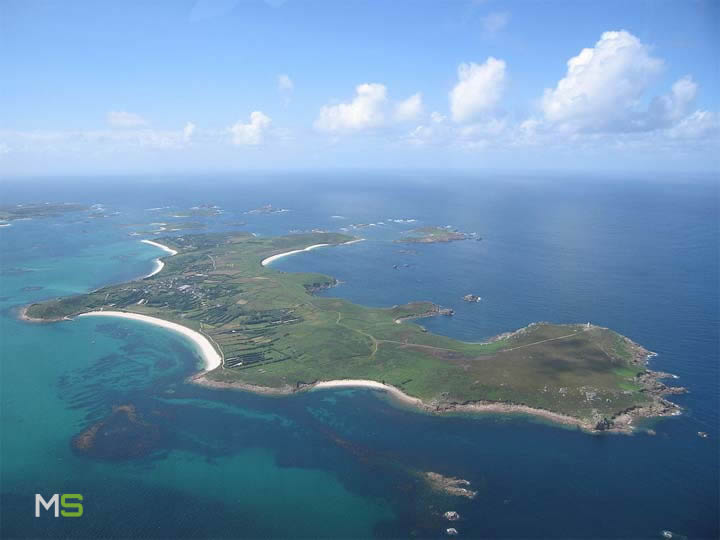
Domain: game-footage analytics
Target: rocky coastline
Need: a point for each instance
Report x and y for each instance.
(621, 422)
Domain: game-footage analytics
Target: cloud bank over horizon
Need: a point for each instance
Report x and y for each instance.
(613, 99)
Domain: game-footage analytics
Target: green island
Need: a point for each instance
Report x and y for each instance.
(276, 336)
(38, 210)
(432, 235)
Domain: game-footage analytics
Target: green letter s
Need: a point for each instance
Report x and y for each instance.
(65, 504)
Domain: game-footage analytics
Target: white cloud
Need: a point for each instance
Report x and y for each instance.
(602, 86)
(364, 111)
(699, 124)
(125, 119)
(188, 131)
(494, 23)
(251, 133)
(479, 89)
(409, 109)
(285, 83)
(671, 108)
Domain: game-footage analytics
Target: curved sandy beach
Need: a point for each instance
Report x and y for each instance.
(272, 258)
(267, 261)
(366, 383)
(402, 397)
(159, 265)
(161, 246)
(210, 356)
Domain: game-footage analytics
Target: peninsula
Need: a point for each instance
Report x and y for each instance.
(268, 333)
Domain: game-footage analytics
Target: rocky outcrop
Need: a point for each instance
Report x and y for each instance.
(450, 485)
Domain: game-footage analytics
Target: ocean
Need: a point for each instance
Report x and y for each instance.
(639, 256)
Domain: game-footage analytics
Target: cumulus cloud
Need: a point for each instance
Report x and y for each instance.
(125, 119)
(671, 108)
(409, 109)
(364, 111)
(479, 89)
(603, 84)
(494, 23)
(253, 132)
(697, 125)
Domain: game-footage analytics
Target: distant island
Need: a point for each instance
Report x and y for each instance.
(431, 235)
(38, 210)
(262, 330)
(267, 209)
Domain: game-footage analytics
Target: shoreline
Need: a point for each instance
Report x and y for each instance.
(159, 265)
(406, 399)
(23, 316)
(171, 251)
(273, 258)
(213, 359)
(210, 356)
(622, 422)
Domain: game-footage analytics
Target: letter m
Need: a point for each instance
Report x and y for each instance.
(46, 504)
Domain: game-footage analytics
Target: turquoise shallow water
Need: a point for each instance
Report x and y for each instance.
(640, 258)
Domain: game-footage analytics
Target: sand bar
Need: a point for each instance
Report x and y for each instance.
(210, 356)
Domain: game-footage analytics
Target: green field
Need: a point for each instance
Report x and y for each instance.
(273, 332)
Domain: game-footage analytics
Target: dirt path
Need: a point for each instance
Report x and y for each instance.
(369, 336)
(537, 343)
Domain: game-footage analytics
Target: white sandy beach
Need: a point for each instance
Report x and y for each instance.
(211, 357)
(365, 383)
(267, 261)
(161, 246)
(159, 265)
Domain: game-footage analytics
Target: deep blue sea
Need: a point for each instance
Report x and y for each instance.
(638, 256)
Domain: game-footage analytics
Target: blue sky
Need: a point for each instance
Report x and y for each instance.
(224, 85)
